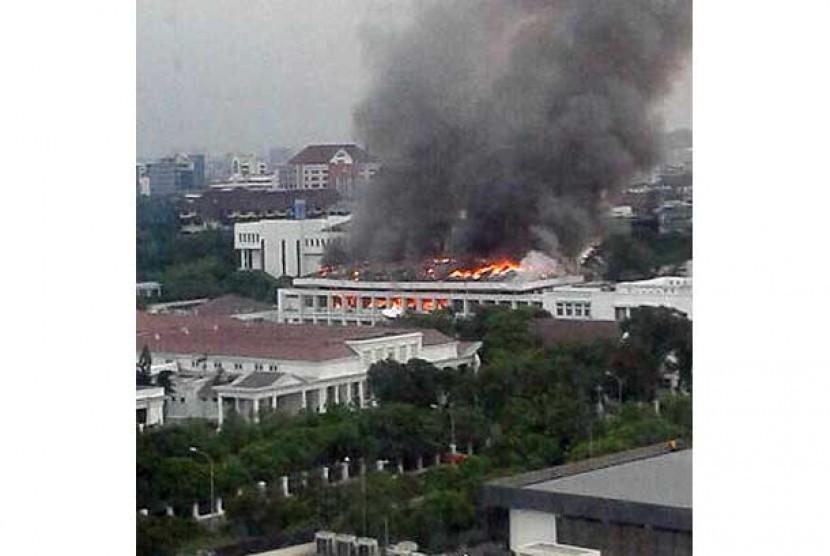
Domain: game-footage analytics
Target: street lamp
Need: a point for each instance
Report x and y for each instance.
(195, 450)
(619, 385)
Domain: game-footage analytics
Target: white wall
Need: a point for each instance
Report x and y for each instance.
(528, 526)
(282, 239)
(631, 294)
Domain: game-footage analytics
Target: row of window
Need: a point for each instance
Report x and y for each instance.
(573, 309)
(237, 366)
(316, 242)
(248, 237)
(401, 353)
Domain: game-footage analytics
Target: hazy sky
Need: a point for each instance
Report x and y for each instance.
(243, 75)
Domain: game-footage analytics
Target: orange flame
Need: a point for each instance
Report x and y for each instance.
(499, 268)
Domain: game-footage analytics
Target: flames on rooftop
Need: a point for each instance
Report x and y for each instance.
(535, 265)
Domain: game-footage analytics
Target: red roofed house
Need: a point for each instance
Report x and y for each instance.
(340, 167)
(226, 364)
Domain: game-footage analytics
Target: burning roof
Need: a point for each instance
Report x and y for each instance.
(534, 265)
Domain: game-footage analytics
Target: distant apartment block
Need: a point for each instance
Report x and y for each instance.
(341, 167)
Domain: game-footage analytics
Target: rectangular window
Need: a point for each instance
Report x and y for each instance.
(569, 309)
(258, 366)
(560, 309)
(588, 310)
(578, 309)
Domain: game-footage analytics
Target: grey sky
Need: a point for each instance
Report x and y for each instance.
(243, 75)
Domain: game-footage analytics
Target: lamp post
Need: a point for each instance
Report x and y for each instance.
(195, 450)
(619, 385)
(448, 406)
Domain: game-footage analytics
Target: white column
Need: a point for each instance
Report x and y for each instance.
(284, 483)
(255, 403)
(349, 393)
(236, 404)
(345, 471)
(274, 402)
(322, 400)
(221, 416)
(337, 394)
(325, 474)
(360, 394)
(303, 401)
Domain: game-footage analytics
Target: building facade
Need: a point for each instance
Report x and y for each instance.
(286, 247)
(317, 300)
(338, 301)
(226, 365)
(614, 302)
(342, 167)
(169, 176)
(149, 406)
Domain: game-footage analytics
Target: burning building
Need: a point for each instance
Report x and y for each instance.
(369, 294)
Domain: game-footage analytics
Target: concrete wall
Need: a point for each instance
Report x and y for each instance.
(290, 247)
(621, 539)
(604, 304)
(527, 526)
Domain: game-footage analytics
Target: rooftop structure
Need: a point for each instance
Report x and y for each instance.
(639, 500)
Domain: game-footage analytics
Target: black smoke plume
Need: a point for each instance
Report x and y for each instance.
(502, 125)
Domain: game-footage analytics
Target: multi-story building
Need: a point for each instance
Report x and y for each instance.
(222, 208)
(342, 167)
(287, 247)
(224, 364)
(342, 301)
(177, 174)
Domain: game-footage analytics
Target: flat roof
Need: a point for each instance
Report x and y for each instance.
(651, 486)
(664, 480)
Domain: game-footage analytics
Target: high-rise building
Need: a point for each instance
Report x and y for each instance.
(182, 172)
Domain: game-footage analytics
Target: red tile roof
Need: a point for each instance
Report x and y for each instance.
(223, 335)
(322, 154)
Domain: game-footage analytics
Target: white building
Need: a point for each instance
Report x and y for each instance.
(149, 405)
(615, 301)
(286, 247)
(317, 300)
(340, 301)
(225, 364)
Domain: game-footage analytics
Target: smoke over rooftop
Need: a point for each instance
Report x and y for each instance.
(502, 125)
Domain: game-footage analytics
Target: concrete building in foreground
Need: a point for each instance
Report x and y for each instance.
(635, 502)
(224, 364)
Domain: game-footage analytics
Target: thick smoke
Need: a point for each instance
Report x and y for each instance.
(503, 125)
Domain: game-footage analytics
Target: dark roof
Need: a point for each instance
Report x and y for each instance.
(231, 305)
(552, 332)
(259, 380)
(217, 204)
(223, 335)
(322, 154)
(646, 486)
